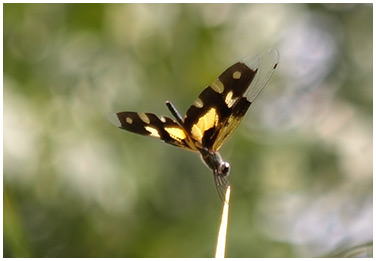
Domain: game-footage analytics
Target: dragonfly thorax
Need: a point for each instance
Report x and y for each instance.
(214, 162)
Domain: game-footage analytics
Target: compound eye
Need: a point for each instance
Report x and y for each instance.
(225, 169)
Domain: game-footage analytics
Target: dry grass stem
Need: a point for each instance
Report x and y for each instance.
(221, 240)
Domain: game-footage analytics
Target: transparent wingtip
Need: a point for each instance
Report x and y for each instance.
(114, 119)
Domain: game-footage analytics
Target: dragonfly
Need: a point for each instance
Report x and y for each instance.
(212, 117)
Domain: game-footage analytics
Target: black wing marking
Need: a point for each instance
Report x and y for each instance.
(148, 124)
(264, 65)
(220, 107)
(210, 111)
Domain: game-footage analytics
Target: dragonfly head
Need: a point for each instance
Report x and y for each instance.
(224, 169)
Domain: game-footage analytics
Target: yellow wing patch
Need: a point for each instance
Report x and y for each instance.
(217, 86)
(176, 133)
(229, 100)
(144, 117)
(198, 103)
(236, 75)
(129, 120)
(207, 121)
(153, 132)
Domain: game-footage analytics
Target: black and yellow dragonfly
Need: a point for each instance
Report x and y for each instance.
(212, 117)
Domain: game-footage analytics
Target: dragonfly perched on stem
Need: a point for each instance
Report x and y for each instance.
(212, 117)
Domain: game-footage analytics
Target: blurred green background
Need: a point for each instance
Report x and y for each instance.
(76, 186)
